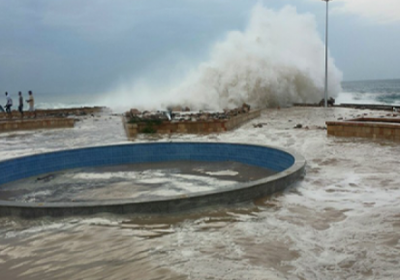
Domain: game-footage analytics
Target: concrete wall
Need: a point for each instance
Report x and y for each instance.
(368, 128)
(191, 127)
(53, 112)
(28, 124)
(241, 119)
(289, 166)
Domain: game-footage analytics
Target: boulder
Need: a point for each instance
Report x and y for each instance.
(245, 108)
(330, 102)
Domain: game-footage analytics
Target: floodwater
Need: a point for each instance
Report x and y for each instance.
(136, 182)
(341, 222)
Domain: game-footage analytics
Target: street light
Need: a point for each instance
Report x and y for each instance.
(326, 55)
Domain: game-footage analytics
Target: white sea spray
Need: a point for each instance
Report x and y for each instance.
(277, 60)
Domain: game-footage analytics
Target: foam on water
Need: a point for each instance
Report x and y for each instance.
(368, 98)
(81, 185)
(102, 176)
(341, 222)
(371, 92)
(223, 172)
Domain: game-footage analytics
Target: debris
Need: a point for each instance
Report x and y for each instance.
(330, 102)
(45, 178)
(298, 125)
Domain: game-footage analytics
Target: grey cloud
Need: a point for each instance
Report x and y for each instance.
(89, 46)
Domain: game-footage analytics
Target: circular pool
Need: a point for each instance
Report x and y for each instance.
(276, 169)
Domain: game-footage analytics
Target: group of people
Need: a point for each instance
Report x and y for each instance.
(9, 104)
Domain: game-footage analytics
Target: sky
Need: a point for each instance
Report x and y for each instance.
(84, 47)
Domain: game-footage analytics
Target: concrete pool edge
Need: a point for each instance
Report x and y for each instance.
(239, 193)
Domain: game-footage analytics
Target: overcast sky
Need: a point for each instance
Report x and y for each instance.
(91, 46)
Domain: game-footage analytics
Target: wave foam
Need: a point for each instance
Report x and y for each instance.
(276, 61)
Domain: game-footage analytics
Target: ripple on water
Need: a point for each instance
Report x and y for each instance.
(341, 222)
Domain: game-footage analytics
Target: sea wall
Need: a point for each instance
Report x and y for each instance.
(375, 128)
(53, 112)
(29, 124)
(191, 127)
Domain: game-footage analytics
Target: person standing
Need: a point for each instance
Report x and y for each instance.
(9, 104)
(21, 104)
(31, 102)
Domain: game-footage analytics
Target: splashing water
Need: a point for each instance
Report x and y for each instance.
(276, 61)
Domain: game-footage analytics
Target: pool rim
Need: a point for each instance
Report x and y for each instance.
(293, 173)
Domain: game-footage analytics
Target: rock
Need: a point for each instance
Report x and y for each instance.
(46, 178)
(298, 125)
(245, 108)
(146, 114)
(135, 112)
(203, 117)
(177, 109)
(330, 101)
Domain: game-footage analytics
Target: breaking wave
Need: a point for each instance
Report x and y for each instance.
(276, 61)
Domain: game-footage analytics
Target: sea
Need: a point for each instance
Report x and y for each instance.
(385, 92)
(342, 221)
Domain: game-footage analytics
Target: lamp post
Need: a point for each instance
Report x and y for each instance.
(326, 55)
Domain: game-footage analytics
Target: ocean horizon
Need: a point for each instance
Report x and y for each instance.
(383, 92)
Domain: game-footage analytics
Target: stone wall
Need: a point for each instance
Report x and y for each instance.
(28, 124)
(53, 112)
(375, 128)
(191, 127)
(241, 119)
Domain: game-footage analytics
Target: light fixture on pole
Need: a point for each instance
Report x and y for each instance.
(326, 56)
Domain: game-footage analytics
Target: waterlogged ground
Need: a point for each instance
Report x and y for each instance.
(341, 222)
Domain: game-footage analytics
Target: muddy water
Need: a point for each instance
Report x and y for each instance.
(341, 222)
(137, 182)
